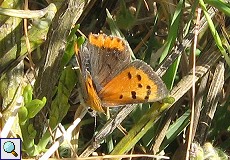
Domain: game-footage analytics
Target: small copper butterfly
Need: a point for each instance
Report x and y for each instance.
(110, 78)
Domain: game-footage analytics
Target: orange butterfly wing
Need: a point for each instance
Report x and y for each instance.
(88, 89)
(92, 99)
(136, 83)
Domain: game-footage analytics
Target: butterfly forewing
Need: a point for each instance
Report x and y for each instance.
(107, 58)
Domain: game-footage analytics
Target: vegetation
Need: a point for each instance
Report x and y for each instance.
(187, 44)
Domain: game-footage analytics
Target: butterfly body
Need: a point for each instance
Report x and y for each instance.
(110, 78)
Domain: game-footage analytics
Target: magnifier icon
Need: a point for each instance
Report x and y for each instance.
(9, 147)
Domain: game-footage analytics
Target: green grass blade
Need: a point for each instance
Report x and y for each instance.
(215, 33)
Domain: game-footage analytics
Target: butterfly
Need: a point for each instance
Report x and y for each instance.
(110, 78)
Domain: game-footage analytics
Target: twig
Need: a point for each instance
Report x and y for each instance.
(189, 139)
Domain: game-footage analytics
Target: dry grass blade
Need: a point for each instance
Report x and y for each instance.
(213, 96)
(203, 66)
(199, 100)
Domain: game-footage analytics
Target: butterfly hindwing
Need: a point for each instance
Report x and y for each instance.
(136, 83)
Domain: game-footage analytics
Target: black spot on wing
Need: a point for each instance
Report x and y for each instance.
(129, 75)
(140, 85)
(146, 97)
(148, 87)
(133, 93)
(139, 77)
